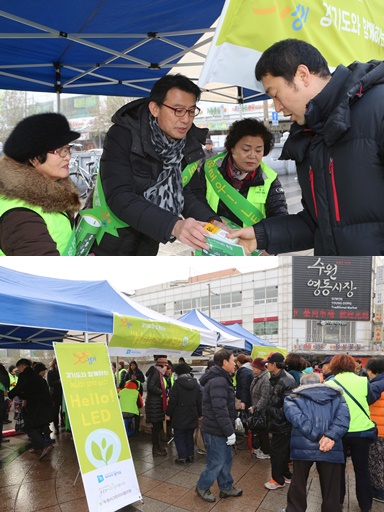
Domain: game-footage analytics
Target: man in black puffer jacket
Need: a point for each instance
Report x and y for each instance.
(282, 384)
(218, 427)
(145, 151)
(337, 141)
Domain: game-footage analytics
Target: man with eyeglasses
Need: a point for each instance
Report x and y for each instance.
(147, 172)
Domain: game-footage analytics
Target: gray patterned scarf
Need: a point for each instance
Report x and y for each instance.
(167, 192)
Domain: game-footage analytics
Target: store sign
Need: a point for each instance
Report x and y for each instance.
(101, 442)
(331, 288)
(327, 347)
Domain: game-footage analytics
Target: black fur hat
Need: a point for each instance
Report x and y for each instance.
(38, 134)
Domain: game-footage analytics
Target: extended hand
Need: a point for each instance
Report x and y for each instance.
(191, 232)
(246, 237)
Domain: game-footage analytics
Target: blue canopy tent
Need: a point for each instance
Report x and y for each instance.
(106, 47)
(234, 337)
(35, 311)
(248, 336)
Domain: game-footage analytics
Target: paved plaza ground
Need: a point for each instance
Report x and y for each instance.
(28, 484)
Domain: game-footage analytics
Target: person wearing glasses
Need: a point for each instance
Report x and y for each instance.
(38, 200)
(152, 141)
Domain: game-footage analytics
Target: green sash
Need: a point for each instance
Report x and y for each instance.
(238, 204)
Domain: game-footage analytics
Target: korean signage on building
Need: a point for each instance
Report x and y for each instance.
(331, 288)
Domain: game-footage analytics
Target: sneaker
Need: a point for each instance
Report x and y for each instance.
(287, 480)
(260, 454)
(231, 493)
(272, 485)
(201, 452)
(206, 494)
(380, 499)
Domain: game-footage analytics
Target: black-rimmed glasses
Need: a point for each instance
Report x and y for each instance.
(62, 152)
(180, 112)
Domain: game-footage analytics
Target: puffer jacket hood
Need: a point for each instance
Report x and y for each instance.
(319, 393)
(187, 382)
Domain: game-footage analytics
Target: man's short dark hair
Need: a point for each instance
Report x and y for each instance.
(23, 362)
(222, 355)
(252, 127)
(284, 57)
(376, 365)
(160, 89)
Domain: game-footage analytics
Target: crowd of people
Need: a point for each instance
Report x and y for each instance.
(158, 183)
(297, 414)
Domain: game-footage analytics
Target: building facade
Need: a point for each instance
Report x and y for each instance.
(339, 308)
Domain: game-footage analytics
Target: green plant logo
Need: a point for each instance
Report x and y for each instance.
(102, 447)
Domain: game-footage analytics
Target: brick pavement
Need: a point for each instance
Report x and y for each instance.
(28, 485)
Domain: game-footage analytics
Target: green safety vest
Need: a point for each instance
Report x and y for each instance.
(58, 224)
(257, 196)
(128, 400)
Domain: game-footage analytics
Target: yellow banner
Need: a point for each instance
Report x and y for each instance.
(139, 337)
(342, 30)
(264, 352)
(97, 425)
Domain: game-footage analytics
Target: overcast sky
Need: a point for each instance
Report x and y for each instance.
(132, 273)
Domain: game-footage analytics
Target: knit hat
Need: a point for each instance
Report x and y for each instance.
(182, 368)
(258, 363)
(38, 134)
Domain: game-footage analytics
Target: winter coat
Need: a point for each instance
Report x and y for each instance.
(33, 388)
(275, 203)
(314, 411)
(260, 391)
(184, 406)
(55, 387)
(219, 411)
(339, 155)
(282, 385)
(154, 408)
(129, 166)
(244, 378)
(23, 232)
(376, 402)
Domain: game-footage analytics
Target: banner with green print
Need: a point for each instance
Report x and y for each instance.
(136, 337)
(97, 426)
(264, 351)
(342, 30)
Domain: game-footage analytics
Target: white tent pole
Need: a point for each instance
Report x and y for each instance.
(86, 337)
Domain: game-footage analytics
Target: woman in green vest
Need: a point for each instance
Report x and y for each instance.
(239, 185)
(38, 200)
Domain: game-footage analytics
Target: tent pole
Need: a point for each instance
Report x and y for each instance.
(58, 86)
(86, 337)
(240, 101)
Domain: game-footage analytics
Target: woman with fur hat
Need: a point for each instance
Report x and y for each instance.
(37, 198)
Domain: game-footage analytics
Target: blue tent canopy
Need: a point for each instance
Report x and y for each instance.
(109, 47)
(35, 311)
(248, 336)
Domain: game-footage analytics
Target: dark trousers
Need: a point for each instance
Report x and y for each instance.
(36, 437)
(265, 445)
(156, 431)
(280, 451)
(329, 474)
(359, 449)
(184, 442)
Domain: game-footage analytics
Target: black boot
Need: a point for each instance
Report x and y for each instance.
(157, 451)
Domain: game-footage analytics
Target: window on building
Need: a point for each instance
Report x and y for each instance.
(330, 332)
(265, 295)
(160, 308)
(266, 328)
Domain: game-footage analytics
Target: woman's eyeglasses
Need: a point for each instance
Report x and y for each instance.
(63, 152)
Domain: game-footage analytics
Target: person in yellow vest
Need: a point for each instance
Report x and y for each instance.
(38, 200)
(240, 173)
(375, 370)
(130, 404)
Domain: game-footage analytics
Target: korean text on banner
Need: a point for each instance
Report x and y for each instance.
(97, 426)
(140, 337)
(343, 31)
